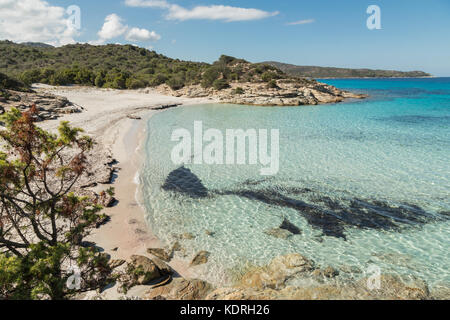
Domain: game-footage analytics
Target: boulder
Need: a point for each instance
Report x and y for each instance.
(200, 258)
(181, 289)
(160, 253)
(163, 268)
(143, 270)
(113, 264)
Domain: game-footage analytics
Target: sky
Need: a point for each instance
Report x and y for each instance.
(414, 34)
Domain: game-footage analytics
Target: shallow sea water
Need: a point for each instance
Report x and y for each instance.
(367, 183)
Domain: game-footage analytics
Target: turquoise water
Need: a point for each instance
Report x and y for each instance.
(366, 182)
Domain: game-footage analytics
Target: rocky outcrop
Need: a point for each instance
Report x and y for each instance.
(200, 258)
(144, 271)
(50, 107)
(181, 289)
(159, 253)
(286, 93)
(277, 273)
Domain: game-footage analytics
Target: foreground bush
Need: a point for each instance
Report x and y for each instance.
(42, 222)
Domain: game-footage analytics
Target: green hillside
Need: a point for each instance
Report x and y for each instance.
(326, 72)
(122, 67)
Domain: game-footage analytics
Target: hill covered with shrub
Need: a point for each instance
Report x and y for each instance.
(123, 67)
(328, 72)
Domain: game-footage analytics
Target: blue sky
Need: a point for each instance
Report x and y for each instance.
(415, 34)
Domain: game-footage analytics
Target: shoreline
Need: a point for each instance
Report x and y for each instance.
(121, 140)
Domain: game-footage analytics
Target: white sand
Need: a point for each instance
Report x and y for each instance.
(105, 118)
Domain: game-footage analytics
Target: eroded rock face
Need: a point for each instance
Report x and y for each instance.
(181, 289)
(144, 270)
(392, 288)
(272, 283)
(287, 93)
(160, 253)
(50, 107)
(277, 273)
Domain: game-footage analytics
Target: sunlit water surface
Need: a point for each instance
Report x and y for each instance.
(385, 159)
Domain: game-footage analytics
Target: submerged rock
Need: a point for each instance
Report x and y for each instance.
(277, 273)
(287, 225)
(278, 233)
(200, 258)
(183, 181)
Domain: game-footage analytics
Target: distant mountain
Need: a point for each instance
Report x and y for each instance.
(37, 45)
(327, 72)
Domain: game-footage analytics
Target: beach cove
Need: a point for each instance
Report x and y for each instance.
(125, 140)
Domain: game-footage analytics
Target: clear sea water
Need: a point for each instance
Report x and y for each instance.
(367, 182)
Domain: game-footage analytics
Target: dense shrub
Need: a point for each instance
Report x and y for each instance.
(210, 75)
(238, 90)
(269, 76)
(220, 84)
(272, 84)
(175, 83)
(120, 66)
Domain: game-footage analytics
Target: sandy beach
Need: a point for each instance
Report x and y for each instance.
(105, 117)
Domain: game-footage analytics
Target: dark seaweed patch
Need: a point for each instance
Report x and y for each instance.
(289, 226)
(331, 216)
(182, 180)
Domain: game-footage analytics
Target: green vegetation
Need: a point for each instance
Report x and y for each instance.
(11, 84)
(42, 222)
(220, 84)
(325, 72)
(123, 67)
(239, 90)
(272, 84)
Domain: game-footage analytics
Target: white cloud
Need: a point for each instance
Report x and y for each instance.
(147, 3)
(112, 28)
(213, 12)
(35, 21)
(136, 34)
(295, 23)
(217, 12)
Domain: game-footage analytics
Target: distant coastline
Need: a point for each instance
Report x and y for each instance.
(374, 78)
(316, 72)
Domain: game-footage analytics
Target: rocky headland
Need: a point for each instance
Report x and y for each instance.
(286, 93)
